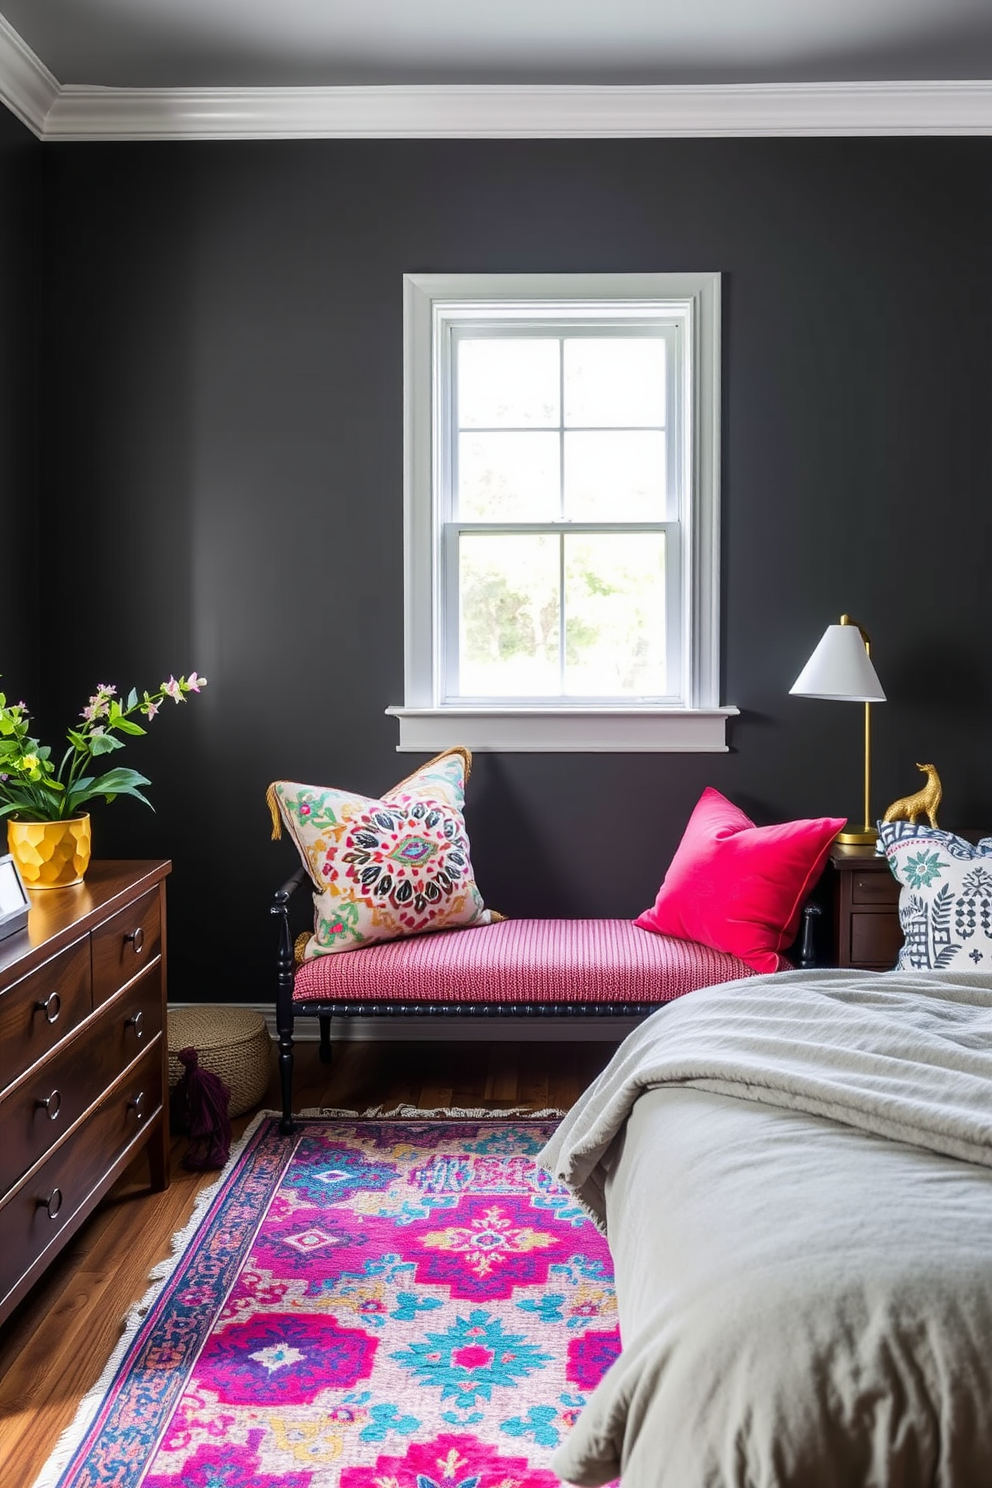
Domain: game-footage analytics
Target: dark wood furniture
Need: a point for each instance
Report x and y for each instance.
(867, 934)
(83, 1059)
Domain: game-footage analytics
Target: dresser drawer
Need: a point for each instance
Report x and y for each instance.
(33, 1216)
(42, 1009)
(54, 1096)
(125, 944)
(874, 887)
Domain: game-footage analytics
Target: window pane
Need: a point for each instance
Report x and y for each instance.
(610, 382)
(507, 384)
(615, 477)
(509, 477)
(508, 616)
(615, 615)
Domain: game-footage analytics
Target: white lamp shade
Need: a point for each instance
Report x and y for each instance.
(840, 668)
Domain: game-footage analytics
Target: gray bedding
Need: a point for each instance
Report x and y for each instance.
(795, 1175)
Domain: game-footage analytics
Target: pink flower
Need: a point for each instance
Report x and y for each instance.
(173, 689)
(150, 709)
(194, 683)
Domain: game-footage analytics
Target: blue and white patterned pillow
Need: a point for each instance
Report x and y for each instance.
(945, 899)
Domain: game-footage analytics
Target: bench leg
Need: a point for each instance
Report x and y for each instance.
(324, 1019)
(284, 1027)
(286, 1081)
(285, 973)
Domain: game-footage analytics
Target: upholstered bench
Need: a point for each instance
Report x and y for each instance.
(399, 925)
(514, 968)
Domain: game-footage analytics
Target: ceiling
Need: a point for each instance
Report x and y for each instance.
(324, 43)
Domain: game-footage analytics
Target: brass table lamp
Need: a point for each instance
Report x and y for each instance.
(841, 670)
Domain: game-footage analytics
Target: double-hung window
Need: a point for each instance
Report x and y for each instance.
(562, 513)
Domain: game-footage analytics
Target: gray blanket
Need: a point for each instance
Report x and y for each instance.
(795, 1174)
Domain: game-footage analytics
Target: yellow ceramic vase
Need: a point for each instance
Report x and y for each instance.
(50, 855)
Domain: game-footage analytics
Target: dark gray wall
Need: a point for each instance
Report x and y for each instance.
(20, 165)
(223, 420)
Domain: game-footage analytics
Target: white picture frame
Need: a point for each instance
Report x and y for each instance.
(14, 901)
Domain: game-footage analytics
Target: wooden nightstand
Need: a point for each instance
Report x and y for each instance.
(867, 934)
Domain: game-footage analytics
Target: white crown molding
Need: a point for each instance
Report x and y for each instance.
(54, 111)
(26, 86)
(458, 112)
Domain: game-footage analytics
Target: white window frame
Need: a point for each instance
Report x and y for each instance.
(692, 721)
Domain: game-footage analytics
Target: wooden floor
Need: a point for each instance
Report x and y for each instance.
(54, 1347)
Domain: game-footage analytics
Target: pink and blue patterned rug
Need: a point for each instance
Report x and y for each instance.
(367, 1304)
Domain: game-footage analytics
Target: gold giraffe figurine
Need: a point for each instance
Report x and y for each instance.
(924, 803)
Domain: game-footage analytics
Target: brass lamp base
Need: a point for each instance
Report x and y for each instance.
(866, 837)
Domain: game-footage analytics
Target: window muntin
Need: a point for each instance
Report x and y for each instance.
(559, 498)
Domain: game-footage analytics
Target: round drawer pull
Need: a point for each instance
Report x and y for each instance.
(135, 1105)
(51, 1007)
(135, 1022)
(137, 939)
(51, 1105)
(53, 1203)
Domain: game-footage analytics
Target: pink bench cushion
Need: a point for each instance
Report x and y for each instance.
(535, 961)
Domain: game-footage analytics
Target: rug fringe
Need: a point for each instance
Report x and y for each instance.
(74, 1433)
(433, 1113)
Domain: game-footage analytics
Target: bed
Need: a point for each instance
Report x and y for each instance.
(795, 1177)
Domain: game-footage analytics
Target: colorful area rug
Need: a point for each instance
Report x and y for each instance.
(367, 1304)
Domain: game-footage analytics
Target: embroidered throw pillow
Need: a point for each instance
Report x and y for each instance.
(945, 899)
(740, 888)
(385, 868)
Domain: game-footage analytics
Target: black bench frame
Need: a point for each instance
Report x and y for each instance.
(287, 1010)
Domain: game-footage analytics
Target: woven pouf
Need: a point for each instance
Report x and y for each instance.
(231, 1042)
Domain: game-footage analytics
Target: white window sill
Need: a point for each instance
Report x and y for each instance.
(564, 730)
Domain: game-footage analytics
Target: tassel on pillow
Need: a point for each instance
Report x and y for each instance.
(198, 1108)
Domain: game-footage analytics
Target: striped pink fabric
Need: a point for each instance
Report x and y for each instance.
(534, 961)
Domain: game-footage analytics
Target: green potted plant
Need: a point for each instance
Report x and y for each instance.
(48, 832)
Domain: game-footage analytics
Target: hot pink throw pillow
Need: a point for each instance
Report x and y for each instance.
(740, 888)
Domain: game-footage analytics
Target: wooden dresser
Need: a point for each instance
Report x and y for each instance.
(83, 1059)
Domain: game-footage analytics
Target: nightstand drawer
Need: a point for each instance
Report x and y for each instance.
(876, 939)
(874, 887)
(125, 944)
(52, 1195)
(42, 1009)
(58, 1092)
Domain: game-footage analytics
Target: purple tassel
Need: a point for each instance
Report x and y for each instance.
(198, 1108)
